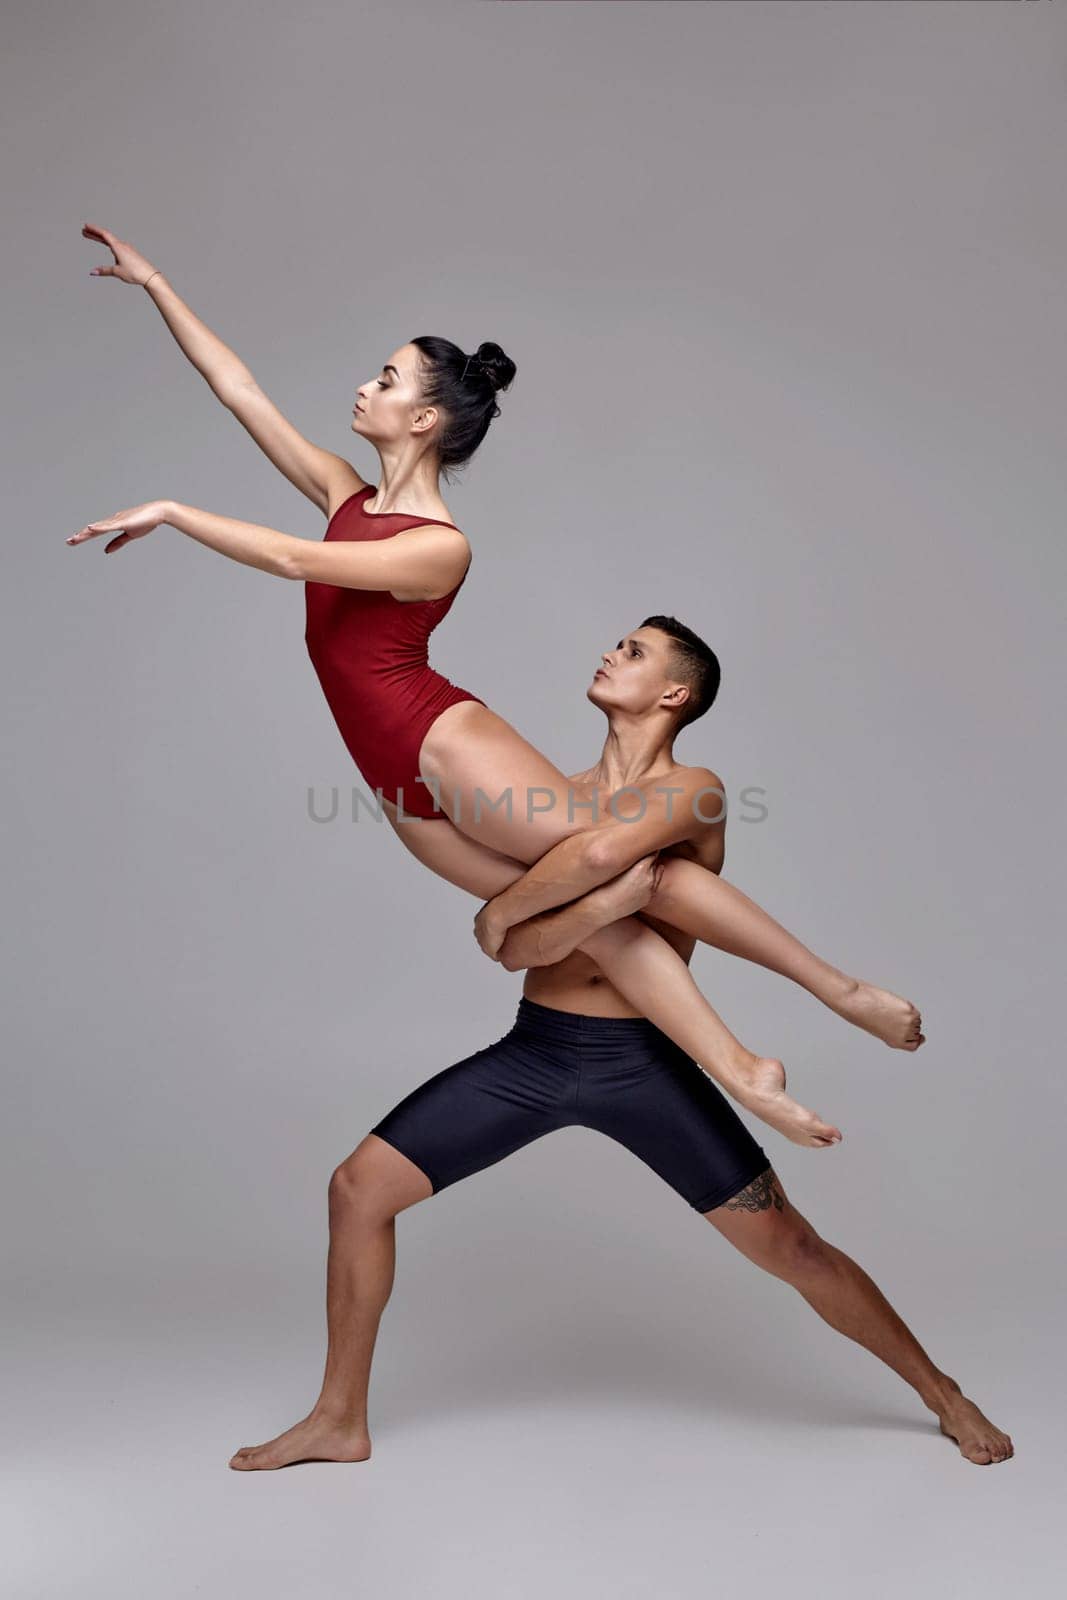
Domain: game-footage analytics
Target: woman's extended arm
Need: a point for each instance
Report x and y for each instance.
(215, 361)
(220, 367)
(309, 468)
(247, 542)
(422, 558)
(424, 562)
(251, 543)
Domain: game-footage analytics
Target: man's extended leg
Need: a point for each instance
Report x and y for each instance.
(640, 1089)
(765, 1227)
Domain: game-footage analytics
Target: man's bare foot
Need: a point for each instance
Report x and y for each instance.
(976, 1436)
(893, 1020)
(758, 1083)
(316, 1438)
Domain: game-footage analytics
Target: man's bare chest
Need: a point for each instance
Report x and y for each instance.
(594, 803)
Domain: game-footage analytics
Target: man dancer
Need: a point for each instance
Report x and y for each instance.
(579, 1055)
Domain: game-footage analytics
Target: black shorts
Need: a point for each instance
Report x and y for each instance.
(559, 1069)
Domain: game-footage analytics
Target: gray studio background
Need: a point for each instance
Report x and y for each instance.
(784, 288)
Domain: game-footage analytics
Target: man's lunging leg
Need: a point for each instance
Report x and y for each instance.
(366, 1193)
(763, 1225)
(459, 1121)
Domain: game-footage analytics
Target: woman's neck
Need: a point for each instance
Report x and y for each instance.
(407, 484)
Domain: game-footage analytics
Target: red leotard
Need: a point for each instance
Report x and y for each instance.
(370, 652)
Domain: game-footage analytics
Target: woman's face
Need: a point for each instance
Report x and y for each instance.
(389, 407)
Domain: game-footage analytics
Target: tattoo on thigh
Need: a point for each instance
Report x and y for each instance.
(762, 1193)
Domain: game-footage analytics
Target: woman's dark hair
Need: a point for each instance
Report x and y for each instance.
(694, 662)
(465, 388)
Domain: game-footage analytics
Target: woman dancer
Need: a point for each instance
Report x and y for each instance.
(376, 587)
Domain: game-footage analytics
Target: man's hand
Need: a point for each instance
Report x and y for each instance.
(490, 931)
(631, 890)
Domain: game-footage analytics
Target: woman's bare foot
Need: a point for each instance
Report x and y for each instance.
(976, 1436)
(893, 1020)
(316, 1438)
(756, 1082)
(759, 1085)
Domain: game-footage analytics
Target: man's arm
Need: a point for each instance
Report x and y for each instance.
(586, 859)
(553, 935)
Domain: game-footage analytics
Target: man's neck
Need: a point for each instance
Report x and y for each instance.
(633, 752)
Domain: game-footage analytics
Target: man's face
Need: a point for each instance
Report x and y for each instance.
(635, 677)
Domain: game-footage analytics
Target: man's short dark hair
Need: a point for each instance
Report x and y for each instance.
(694, 662)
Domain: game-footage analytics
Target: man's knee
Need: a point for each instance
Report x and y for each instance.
(791, 1248)
(764, 1226)
(358, 1191)
(375, 1182)
(351, 1187)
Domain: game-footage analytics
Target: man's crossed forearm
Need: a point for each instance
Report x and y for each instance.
(590, 857)
(551, 936)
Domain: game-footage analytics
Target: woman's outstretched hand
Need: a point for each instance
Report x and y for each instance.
(131, 524)
(130, 265)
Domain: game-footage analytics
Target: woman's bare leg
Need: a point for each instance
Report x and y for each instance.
(366, 1193)
(704, 905)
(701, 904)
(651, 975)
(655, 979)
(470, 748)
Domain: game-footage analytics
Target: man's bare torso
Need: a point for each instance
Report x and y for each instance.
(576, 983)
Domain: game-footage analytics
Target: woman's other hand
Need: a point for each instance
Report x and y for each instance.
(131, 524)
(130, 265)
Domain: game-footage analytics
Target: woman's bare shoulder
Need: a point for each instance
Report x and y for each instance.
(342, 482)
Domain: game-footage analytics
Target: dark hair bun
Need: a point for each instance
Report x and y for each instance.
(498, 368)
(464, 386)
